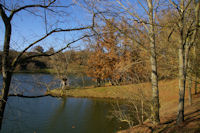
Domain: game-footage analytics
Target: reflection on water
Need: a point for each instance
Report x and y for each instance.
(35, 84)
(52, 115)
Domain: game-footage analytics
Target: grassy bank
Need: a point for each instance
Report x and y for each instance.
(114, 92)
(168, 92)
(169, 95)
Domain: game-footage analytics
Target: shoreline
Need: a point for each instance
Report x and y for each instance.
(122, 92)
(168, 104)
(89, 97)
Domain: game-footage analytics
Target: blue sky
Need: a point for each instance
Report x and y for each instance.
(27, 28)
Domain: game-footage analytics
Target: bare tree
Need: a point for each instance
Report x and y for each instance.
(154, 76)
(187, 30)
(7, 14)
(149, 25)
(196, 35)
(137, 107)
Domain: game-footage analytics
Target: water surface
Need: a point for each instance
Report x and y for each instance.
(54, 115)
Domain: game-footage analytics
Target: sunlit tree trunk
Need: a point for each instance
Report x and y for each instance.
(189, 91)
(197, 18)
(180, 117)
(184, 45)
(182, 76)
(187, 72)
(195, 70)
(154, 76)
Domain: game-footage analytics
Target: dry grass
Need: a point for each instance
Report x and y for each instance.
(168, 92)
(114, 92)
(169, 95)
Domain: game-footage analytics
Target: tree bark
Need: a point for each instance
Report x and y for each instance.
(182, 71)
(6, 69)
(189, 91)
(197, 18)
(195, 69)
(187, 65)
(180, 117)
(154, 76)
(195, 84)
(183, 52)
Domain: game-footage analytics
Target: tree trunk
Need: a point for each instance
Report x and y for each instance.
(195, 69)
(6, 69)
(83, 80)
(4, 94)
(189, 91)
(197, 14)
(194, 40)
(180, 117)
(98, 82)
(188, 67)
(182, 71)
(195, 84)
(154, 76)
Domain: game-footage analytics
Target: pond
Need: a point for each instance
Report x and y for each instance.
(54, 115)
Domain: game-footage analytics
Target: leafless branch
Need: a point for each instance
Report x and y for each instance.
(3, 15)
(45, 36)
(13, 12)
(170, 34)
(143, 7)
(175, 6)
(46, 54)
(134, 15)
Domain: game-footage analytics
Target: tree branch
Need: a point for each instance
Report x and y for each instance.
(46, 54)
(175, 5)
(187, 5)
(15, 61)
(126, 34)
(143, 7)
(134, 15)
(23, 96)
(3, 15)
(13, 12)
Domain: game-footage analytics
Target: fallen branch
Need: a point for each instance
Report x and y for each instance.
(20, 95)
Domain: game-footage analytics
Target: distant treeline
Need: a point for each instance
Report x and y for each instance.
(75, 58)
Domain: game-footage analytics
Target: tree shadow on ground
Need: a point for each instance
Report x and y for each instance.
(190, 125)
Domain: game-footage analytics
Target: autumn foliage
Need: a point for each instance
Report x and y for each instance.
(115, 59)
